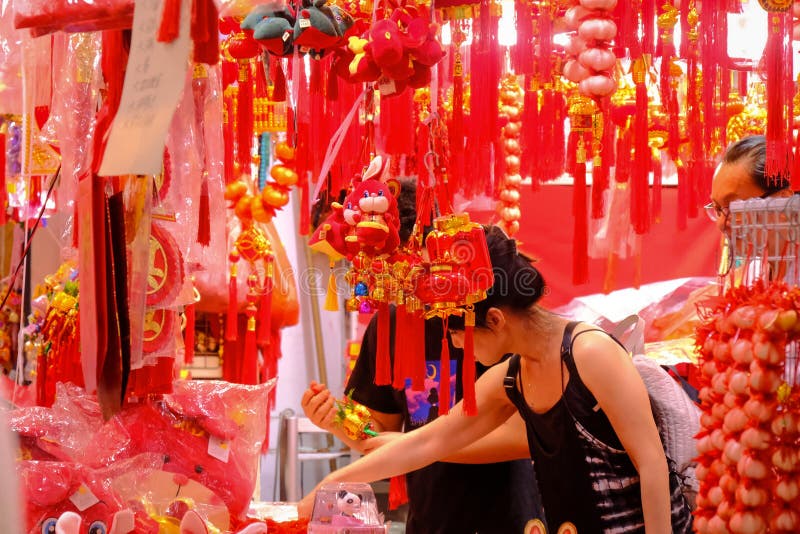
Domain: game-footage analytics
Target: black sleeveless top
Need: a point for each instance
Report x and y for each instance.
(585, 476)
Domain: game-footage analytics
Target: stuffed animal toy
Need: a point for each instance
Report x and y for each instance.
(273, 28)
(209, 432)
(329, 237)
(348, 504)
(315, 27)
(66, 498)
(378, 225)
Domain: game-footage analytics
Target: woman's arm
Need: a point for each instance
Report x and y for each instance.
(507, 442)
(434, 441)
(625, 401)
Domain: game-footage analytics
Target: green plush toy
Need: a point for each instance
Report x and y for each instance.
(273, 28)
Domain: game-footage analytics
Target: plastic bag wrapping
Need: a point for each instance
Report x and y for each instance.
(53, 488)
(190, 427)
(62, 431)
(72, 115)
(138, 204)
(674, 316)
(10, 62)
(179, 192)
(47, 16)
(211, 262)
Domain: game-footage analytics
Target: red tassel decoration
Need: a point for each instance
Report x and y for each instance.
(468, 365)
(278, 81)
(456, 130)
(796, 165)
(205, 32)
(204, 216)
(244, 117)
(170, 26)
(3, 189)
(265, 313)
(640, 187)
(657, 187)
(402, 336)
(419, 363)
(444, 373)
(250, 358)
(227, 138)
(648, 26)
(188, 334)
(383, 364)
(231, 327)
(778, 61)
(398, 492)
(580, 240)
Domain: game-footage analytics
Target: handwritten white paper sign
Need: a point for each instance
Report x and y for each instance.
(154, 81)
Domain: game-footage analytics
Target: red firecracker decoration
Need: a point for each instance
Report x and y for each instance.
(511, 97)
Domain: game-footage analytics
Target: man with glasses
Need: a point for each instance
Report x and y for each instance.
(740, 176)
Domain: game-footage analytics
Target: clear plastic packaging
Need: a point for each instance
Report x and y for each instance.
(346, 508)
(45, 16)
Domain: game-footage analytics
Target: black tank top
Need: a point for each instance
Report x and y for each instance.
(585, 476)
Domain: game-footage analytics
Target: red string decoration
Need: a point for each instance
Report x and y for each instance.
(778, 61)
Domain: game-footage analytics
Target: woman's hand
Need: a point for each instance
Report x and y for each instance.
(306, 505)
(319, 406)
(369, 445)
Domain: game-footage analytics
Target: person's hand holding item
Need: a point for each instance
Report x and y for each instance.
(319, 405)
(306, 505)
(381, 439)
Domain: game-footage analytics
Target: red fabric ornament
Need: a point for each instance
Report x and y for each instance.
(231, 327)
(398, 492)
(640, 186)
(580, 240)
(419, 365)
(204, 216)
(265, 315)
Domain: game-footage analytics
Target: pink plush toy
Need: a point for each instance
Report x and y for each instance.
(377, 230)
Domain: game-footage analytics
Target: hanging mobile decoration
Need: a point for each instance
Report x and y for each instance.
(511, 97)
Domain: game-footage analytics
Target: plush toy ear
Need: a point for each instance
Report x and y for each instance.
(375, 168)
(341, 494)
(394, 186)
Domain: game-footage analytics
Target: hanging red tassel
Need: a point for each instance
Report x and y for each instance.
(657, 187)
(640, 186)
(205, 32)
(188, 334)
(779, 100)
(204, 216)
(444, 373)
(278, 81)
(244, 117)
(580, 240)
(468, 365)
(227, 139)
(648, 26)
(231, 327)
(265, 313)
(796, 164)
(401, 340)
(250, 357)
(3, 189)
(419, 363)
(383, 364)
(456, 130)
(170, 26)
(398, 492)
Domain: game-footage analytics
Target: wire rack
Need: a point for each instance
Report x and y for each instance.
(764, 243)
(764, 239)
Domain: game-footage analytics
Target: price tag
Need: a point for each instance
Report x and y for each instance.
(305, 23)
(83, 498)
(386, 86)
(219, 449)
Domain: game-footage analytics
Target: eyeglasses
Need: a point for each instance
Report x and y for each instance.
(715, 212)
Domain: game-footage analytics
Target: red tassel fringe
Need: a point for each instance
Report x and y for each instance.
(231, 327)
(205, 32)
(640, 188)
(383, 364)
(170, 26)
(779, 101)
(580, 240)
(188, 334)
(402, 348)
(468, 372)
(264, 322)
(204, 216)
(244, 117)
(250, 358)
(398, 492)
(419, 365)
(444, 374)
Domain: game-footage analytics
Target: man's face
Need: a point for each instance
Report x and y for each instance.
(732, 181)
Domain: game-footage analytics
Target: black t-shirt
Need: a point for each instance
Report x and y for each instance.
(446, 498)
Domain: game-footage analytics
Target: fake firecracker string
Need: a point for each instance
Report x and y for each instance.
(778, 59)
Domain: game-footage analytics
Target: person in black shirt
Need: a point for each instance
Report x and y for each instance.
(599, 460)
(444, 497)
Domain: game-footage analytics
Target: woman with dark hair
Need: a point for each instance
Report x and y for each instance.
(597, 453)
